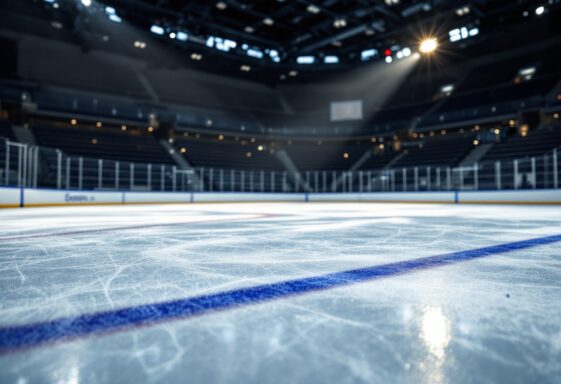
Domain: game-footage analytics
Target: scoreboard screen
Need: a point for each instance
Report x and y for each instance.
(346, 110)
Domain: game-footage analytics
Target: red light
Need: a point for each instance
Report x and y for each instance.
(388, 52)
(558, 97)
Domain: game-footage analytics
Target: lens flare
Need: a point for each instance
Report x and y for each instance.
(428, 45)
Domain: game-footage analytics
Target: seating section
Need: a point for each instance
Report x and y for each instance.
(242, 154)
(436, 152)
(6, 130)
(325, 156)
(379, 160)
(133, 152)
(509, 92)
(5, 133)
(535, 144)
(103, 143)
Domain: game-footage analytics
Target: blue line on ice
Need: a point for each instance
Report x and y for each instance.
(31, 335)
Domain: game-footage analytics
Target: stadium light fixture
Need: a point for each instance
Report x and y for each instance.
(115, 18)
(255, 53)
(157, 29)
(368, 54)
(86, 3)
(313, 9)
(340, 23)
(428, 45)
(540, 10)
(305, 59)
(182, 36)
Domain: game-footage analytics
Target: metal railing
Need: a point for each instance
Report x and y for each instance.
(25, 165)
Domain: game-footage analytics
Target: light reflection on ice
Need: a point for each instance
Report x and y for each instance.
(435, 335)
(435, 331)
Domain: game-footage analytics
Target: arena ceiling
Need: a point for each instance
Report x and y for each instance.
(265, 39)
(341, 27)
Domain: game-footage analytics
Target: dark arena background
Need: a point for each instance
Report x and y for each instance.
(280, 191)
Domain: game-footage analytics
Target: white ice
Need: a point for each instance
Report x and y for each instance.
(491, 320)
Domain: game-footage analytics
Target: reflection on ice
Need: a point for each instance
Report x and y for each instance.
(68, 373)
(435, 334)
(435, 331)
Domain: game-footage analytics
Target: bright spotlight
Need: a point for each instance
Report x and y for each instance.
(540, 10)
(428, 45)
(86, 3)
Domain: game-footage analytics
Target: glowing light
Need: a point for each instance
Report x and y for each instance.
(435, 331)
(540, 10)
(183, 36)
(86, 3)
(305, 59)
(255, 53)
(115, 18)
(157, 29)
(340, 23)
(368, 54)
(313, 9)
(428, 45)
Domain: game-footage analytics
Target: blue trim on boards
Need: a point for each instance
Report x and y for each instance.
(32, 335)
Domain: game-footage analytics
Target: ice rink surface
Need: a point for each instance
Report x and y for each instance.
(491, 319)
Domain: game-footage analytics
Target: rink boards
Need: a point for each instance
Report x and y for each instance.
(29, 197)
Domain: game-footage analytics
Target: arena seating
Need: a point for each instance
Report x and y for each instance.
(103, 143)
(326, 155)
(6, 130)
(109, 145)
(535, 144)
(436, 152)
(228, 154)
